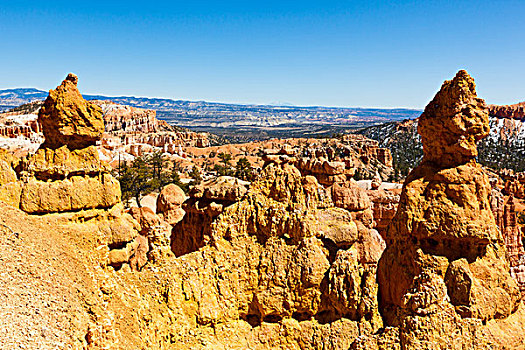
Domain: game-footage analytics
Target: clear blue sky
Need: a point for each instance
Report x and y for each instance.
(332, 53)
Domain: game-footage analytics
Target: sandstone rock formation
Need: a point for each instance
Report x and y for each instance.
(444, 274)
(169, 204)
(368, 149)
(333, 160)
(384, 207)
(68, 119)
(285, 255)
(207, 200)
(513, 241)
(515, 111)
(283, 262)
(66, 175)
(515, 186)
(126, 119)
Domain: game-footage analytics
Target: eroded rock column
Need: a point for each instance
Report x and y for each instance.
(445, 270)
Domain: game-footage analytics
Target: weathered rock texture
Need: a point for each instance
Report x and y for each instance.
(169, 204)
(207, 200)
(515, 186)
(513, 241)
(334, 161)
(120, 118)
(283, 263)
(384, 208)
(284, 254)
(66, 175)
(445, 274)
(515, 111)
(68, 119)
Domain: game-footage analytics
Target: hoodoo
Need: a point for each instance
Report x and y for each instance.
(444, 280)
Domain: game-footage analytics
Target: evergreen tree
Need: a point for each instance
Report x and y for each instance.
(195, 175)
(226, 168)
(243, 169)
(136, 180)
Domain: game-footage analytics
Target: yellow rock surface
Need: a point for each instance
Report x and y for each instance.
(68, 119)
(444, 278)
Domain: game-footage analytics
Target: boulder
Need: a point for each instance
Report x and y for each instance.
(146, 218)
(169, 203)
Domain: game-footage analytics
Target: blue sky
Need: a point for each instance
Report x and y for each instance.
(332, 53)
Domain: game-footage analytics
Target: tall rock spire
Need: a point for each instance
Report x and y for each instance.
(444, 273)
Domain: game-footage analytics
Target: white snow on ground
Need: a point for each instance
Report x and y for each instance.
(21, 142)
(367, 185)
(22, 118)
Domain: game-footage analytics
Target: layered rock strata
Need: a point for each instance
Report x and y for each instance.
(445, 273)
(65, 175)
(335, 161)
(384, 208)
(515, 111)
(120, 118)
(514, 242)
(515, 185)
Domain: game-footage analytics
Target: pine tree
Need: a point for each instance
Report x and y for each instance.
(243, 169)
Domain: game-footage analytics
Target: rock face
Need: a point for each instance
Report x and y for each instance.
(513, 242)
(65, 175)
(207, 200)
(515, 186)
(452, 123)
(368, 149)
(120, 118)
(68, 119)
(333, 160)
(60, 180)
(515, 111)
(445, 272)
(283, 254)
(384, 208)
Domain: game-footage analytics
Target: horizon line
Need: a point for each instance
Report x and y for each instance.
(228, 103)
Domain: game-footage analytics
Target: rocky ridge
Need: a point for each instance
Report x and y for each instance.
(129, 131)
(284, 262)
(515, 111)
(230, 291)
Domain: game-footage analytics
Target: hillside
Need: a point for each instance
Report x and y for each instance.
(503, 148)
